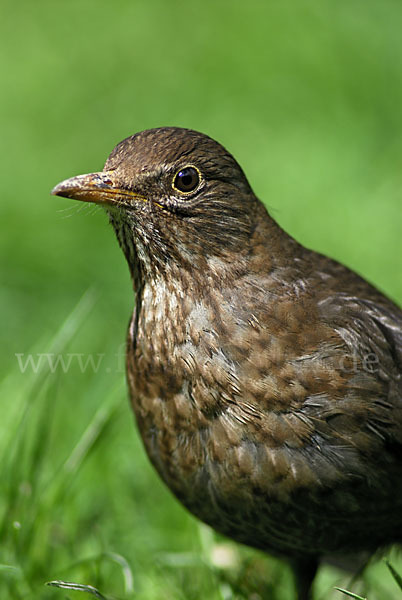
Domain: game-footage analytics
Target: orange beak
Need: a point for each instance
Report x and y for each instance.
(101, 188)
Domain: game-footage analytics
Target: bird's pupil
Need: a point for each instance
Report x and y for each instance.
(187, 179)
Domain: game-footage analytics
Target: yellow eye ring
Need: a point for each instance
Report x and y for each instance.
(187, 179)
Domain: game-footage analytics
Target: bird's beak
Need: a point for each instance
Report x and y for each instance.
(101, 188)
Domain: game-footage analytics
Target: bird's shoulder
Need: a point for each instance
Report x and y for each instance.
(323, 354)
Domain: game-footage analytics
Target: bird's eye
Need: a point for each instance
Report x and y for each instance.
(186, 180)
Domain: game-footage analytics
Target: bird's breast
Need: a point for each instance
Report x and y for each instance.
(212, 392)
(231, 408)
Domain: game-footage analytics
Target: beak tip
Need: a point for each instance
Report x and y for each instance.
(61, 189)
(69, 188)
(92, 187)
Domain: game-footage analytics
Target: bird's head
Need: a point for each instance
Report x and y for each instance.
(174, 196)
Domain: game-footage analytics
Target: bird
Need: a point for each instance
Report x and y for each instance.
(265, 377)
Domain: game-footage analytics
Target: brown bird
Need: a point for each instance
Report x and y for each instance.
(265, 378)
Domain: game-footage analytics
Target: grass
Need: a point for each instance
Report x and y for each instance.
(307, 95)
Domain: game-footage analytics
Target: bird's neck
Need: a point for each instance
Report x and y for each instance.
(169, 300)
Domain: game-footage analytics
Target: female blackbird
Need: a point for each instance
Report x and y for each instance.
(265, 378)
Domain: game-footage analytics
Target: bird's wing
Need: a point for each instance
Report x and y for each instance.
(372, 333)
(368, 327)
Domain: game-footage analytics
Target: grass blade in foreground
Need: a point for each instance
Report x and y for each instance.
(350, 594)
(395, 574)
(77, 587)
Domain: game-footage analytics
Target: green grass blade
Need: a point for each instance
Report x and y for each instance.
(350, 594)
(77, 587)
(394, 574)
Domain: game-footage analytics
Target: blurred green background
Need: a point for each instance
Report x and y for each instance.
(307, 95)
